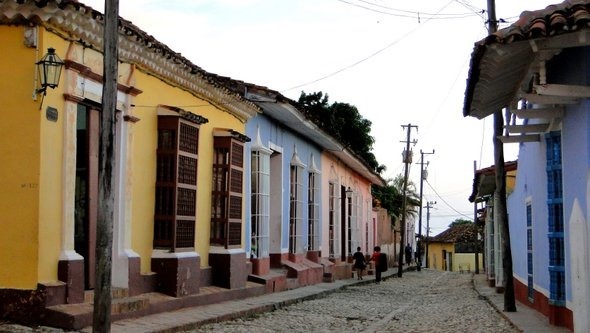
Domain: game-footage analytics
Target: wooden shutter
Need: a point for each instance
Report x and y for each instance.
(176, 183)
(226, 210)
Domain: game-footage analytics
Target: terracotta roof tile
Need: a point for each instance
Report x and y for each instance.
(567, 16)
(457, 233)
(497, 79)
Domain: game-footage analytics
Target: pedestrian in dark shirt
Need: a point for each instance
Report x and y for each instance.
(408, 254)
(359, 263)
(380, 260)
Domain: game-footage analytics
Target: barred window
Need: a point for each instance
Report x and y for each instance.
(227, 191)
(260, 203)
(555, 223)
(176, 183)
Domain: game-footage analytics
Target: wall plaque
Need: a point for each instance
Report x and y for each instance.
(51, 114)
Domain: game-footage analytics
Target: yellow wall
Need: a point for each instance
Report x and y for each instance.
(460, 261)
(33, 151)
(435, 254)
(51, 169)
(157, 92)
(466, 262)
(19, 170)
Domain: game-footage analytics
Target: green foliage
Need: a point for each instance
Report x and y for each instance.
(344, 122)
(460, 222)
(391, 197)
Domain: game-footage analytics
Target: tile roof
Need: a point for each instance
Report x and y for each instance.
(81, 23)
(484, 181)
(457, 234)
(501, 61)
(555, 19)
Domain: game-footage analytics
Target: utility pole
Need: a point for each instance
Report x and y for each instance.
(423, 175)
(101, 320)
(428, 206)
(407, 156)
(500, 210)
(476, 246)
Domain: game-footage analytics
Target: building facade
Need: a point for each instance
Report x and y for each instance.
(544, 57)
(167, 236)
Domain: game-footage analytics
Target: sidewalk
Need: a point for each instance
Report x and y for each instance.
(525, 318)
(189, 318)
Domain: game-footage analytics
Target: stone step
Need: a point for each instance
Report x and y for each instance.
(78, 316)
(115, 293)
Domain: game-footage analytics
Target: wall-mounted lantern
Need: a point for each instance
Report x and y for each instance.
(49, 68)
(348, 193)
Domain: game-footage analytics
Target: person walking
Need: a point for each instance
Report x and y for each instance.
(380, 261)
(359, 263)
(408, 254)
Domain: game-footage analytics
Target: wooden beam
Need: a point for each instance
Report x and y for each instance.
(520, 138)
(545, 99)
(541, 113)
(533, 128)
(557, 42)
(565, 90)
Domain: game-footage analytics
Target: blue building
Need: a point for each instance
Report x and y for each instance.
(538, 72)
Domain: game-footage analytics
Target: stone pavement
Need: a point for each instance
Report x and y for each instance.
(525, 319)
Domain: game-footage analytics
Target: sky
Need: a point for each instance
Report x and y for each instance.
(399, 62)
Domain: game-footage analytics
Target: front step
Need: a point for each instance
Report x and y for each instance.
(115, 293)
(78, 316)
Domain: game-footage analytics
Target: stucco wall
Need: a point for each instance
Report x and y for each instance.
(334, 170)
(284, 142)
(530, 187)
(19, 171)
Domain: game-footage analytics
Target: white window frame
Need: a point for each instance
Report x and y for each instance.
(260, 205)
(313, 211)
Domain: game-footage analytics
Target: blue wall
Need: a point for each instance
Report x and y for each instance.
(275, 133)
(576, 160)
(531, 180)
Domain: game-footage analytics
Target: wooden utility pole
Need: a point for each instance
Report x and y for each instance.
(422, 177)
(428, 206)
(106, 200)
(500, 211)
(407, 156)
(476, 241)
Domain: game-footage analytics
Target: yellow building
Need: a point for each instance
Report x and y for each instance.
(454, 250)
(177, 128)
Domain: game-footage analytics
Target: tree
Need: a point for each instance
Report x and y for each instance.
(344, 122)
(460, 222)
(391, 197)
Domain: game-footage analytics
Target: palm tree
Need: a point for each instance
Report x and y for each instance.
(391, 197)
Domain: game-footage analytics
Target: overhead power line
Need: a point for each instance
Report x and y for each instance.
(446, 203)
(366, 58)
(413, 14)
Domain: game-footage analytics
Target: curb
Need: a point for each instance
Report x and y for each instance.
(492, 304)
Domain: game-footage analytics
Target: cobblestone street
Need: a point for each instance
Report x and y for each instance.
(426, 301)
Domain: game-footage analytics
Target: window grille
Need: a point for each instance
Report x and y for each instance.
(555, 223)
(226, 196)
(295, 210)
(176, 183)
(529, 223)
(313, 212)
(332, 222)
(260, 203)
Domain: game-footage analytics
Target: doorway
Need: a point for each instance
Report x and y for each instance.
(86, 188)
(343, 226)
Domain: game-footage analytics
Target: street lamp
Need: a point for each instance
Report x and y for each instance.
(49, 68)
